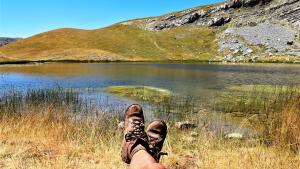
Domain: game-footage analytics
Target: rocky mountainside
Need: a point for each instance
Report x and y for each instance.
(253, 29)
(240, 12)
(5, 41)
(231, 31)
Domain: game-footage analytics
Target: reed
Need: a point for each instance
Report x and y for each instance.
(276, 109)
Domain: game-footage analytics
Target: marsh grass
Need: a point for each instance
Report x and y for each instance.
(274, 111)
(257, 99)
(15, 102)
(175, 108)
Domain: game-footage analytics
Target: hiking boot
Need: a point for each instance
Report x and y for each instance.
(135, 137)
(157, 132)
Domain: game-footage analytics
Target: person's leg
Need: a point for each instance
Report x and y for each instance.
(143, 160)
(139, 150)
(135, 138)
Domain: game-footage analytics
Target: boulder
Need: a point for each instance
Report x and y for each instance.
(247, 51)
(185, 125)
(290, 42)
(221, 7)
(189, 18)
(249, 3)
(162, 26)
(218, 21)
(194, 134)
(234, 136)
(170, 17)
(121, 125)
(234, 3)
(253, 58)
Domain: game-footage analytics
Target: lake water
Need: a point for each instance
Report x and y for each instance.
(191, 79)
(198, 80)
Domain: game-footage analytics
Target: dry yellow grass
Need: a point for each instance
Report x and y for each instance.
(56, 139)
(115, 43)
(51, 139)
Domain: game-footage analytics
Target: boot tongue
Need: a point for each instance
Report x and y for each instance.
(137, 129)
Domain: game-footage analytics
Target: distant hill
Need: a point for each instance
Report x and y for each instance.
(6, 41)
(234, 31)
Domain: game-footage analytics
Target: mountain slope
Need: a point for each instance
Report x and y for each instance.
(236, 31)
(118, 42)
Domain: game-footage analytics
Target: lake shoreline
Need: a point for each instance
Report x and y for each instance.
(24, 62)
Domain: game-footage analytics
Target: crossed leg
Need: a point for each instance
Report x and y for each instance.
(141, 148)
(143, 160)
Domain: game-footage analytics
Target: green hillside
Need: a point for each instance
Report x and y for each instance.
(117, 42)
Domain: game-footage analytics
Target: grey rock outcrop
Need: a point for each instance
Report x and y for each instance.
(220, 14)
(175, 21)
(245, 3)
(288, 11)
(198, 17)
(213, 16)
(218, 21)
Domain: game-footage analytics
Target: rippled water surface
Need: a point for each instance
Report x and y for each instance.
(192, 79)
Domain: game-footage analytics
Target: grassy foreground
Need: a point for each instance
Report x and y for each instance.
(46, 133)
(52, 139)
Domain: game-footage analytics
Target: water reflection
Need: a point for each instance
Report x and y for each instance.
(191, 79)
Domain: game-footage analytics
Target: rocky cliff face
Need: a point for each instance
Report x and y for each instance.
(254, 29)
(214, 15)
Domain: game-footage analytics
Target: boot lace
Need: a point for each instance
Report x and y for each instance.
(154, 149)
(137, 131)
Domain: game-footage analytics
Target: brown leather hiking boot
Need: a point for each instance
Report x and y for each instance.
(135, 138)
(157, 132)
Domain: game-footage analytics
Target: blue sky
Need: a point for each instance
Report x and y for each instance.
(23, 18)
